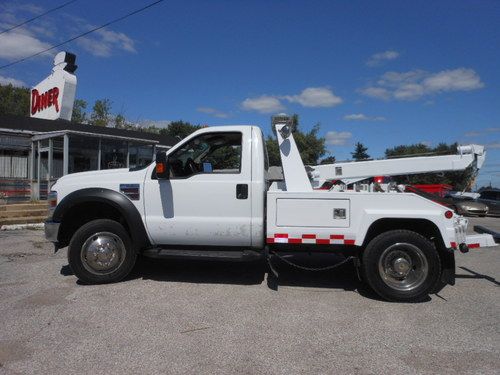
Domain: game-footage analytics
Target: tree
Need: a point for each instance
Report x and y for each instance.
(311, 147)
(14, 100)
(120, 122)
(101, 112)
(180, 129)
(407, 150)
(360, 152)
(460, 180)
(79, 116)
(328, 160)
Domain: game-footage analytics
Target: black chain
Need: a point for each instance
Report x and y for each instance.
(283, 259)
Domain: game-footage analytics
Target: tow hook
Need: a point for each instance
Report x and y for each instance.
(463, 248)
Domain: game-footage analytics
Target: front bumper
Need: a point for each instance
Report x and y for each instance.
(51, 231)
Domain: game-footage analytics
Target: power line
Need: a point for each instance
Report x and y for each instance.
(36, 17)
(83, 34)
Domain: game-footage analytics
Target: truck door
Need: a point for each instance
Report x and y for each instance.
(206, 200)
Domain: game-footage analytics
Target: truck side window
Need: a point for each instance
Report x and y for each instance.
(207, 153)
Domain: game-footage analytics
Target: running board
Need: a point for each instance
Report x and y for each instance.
(224, 255)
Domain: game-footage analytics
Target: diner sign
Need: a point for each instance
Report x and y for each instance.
(53, 98)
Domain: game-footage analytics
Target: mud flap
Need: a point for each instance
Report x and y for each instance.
(447, 257)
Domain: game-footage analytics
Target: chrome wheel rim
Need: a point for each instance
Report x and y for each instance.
(103, 253)
(403, 267)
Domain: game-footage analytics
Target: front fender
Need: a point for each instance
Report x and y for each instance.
(116, 200)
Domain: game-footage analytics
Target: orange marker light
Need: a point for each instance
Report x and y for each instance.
(160, 168)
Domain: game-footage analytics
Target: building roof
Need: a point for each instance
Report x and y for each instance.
(35, 125)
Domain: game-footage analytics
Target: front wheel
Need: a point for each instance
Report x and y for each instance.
(101, 252)
(401, 265)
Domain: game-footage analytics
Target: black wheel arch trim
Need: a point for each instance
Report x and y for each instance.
(115, 199)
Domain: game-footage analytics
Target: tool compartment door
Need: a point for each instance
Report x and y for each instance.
(297, 212)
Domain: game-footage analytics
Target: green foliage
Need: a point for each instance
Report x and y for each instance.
(311, 147)
(360, 152)
(273, 151)
(101, 113)
(79, 116)
(14, 100)
(460, 180)
(120, 122)
(225, 157)
(328, 160)
(180, 129)
(149, 129)
(407, 150)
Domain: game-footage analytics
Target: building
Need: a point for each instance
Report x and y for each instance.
(34, 152)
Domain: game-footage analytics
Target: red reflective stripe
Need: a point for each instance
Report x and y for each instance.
(309, 236)
(322, 241)
(284, 238)
(453, 245)
(473, 245)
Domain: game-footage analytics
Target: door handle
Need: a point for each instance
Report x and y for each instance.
(241, 191)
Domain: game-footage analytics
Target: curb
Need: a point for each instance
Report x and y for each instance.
(21, 226)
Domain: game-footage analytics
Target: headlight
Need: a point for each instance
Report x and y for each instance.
(52, 203)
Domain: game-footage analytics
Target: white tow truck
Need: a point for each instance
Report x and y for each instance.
(209, 197)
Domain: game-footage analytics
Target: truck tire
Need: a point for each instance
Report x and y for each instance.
(101, 252)
(401, 266)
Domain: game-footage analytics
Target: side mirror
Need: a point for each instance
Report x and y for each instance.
(162, 168)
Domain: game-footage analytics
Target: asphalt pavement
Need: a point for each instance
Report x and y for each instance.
(187, 317)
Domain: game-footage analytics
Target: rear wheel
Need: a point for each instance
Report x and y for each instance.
(401, 265)
(101, 252)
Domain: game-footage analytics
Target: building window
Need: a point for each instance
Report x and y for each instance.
(83, 154)
(113, 154)
(140, 155)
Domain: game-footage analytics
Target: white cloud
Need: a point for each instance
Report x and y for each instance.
(212, 111)
(481, 132)
(460, 79)
(309, 97)
(473, 134)
(263, 104)
(376, 92)
(363, 117)
(315, 97)
(103, 42)
(415, 84)
(492, 145)
(37, 36)
(334, 138)
(12, 81)
(380, 58)
(15, 45)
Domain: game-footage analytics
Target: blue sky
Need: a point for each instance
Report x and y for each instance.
(382, 73)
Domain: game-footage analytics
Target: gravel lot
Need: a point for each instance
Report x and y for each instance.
(210, 317)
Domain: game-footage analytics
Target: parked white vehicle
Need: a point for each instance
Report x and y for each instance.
(208, 197)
